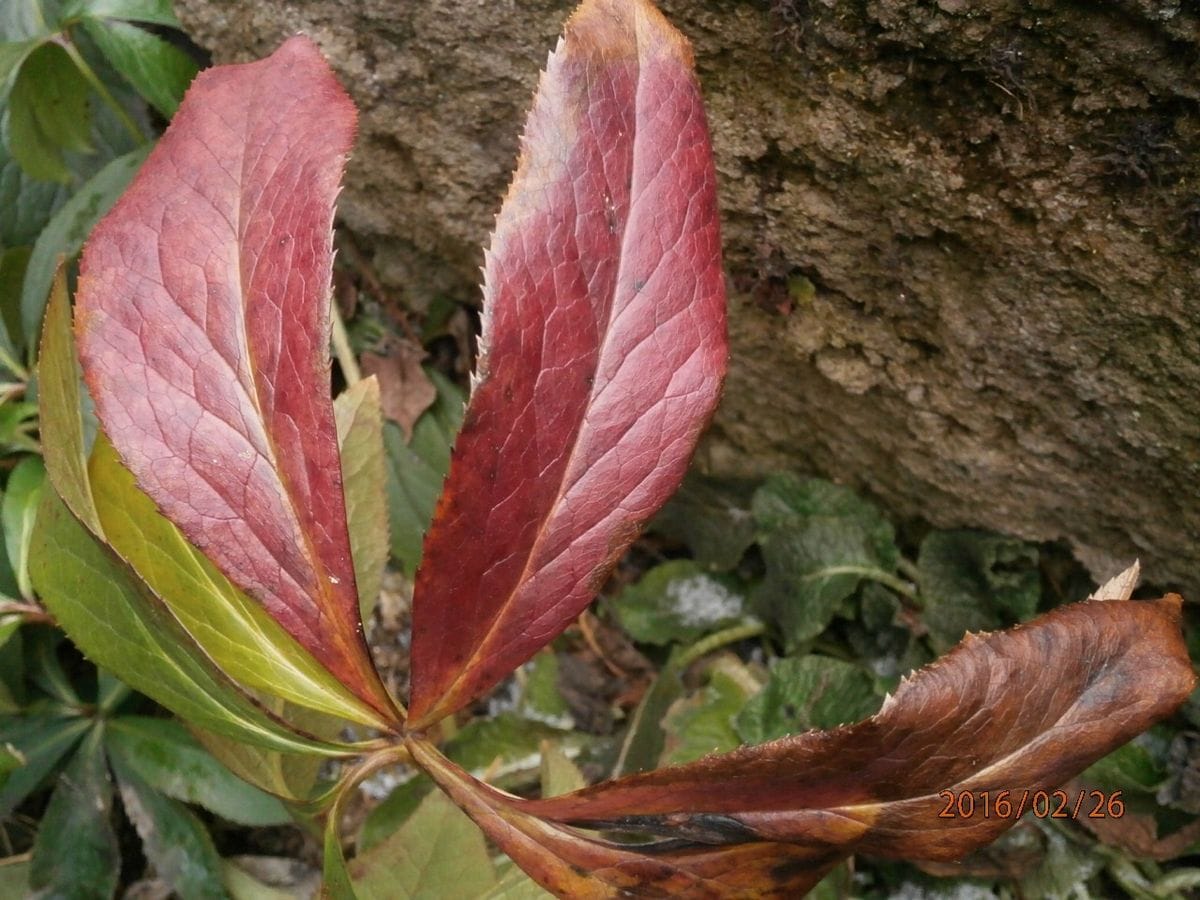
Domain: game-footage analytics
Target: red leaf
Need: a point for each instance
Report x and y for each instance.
(601, 359)
(203, 327)
(1017, 711)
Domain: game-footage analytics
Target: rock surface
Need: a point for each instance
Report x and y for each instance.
(963, 237)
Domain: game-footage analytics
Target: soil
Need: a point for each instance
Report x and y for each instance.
(962, 237)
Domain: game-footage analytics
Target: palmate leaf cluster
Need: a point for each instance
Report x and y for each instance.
(219, 540)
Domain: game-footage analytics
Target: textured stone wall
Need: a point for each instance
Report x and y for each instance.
(963, 236)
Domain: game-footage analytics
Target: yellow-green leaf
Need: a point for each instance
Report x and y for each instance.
(290, 776)
(360, 436)
(243, 640)
(437, 853)
(559, 774)
(21, 496)
(118, 625)
(59, 395)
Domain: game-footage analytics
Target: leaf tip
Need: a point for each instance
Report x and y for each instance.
(1120, 586)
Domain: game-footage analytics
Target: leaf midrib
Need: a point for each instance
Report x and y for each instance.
(469, 666)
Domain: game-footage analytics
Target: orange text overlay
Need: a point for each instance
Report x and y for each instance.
(1042, 804)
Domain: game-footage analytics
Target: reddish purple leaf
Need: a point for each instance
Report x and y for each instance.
(601, 359)
(1019, 711)
(203, 327)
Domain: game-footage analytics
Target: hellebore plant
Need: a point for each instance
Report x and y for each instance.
(212, 545)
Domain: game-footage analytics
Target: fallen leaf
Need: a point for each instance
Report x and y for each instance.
(404, 388)
(1017, 711)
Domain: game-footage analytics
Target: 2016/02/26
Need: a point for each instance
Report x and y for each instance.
(1043, 804)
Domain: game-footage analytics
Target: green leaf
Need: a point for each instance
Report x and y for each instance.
(13, 263)
(45, 667)
(43, 740)
(111, 693)
(173, 839)
(48, 113)
(10, 759)
(242, 885)
(75, 854)
(242, 639)
(12, 666)
(160, 72)
(541, 699)
(514, 884)
(290, 776)
(1130, 768)
(975, 581)
(337, 884)
(153, 12)
(14, 876)
(59, 401)
(818, 540)
(13, 54)
(166, 757)
(504, 744)
(18, 511)
(18, 423)
(804, 693)
(1064, 870)
(437, 853)
(836, 885)
(66, 231)
(559, 774)
(28, 203)
(880, 640)
(396, 808)
(118, 625)
(645, 738)
(703, 723)
(713, 517)
(417, 469)
(678, 602)
(360, 436)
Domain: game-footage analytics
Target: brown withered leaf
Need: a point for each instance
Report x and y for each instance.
(572, 864)
(405, 389)
(1137, 832)
(1017, 711)
(1121, 585)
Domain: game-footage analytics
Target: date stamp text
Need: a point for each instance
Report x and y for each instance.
(1043, 804)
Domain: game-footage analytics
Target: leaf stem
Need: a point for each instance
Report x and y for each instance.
(342, 349)
(10, 362)
(1124, 873)
(717, 640)
(909, 570)
(1176, 881)
(29, 612)
(899, 585)
(100, 88)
